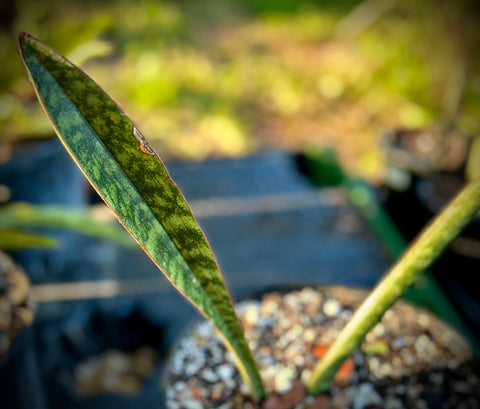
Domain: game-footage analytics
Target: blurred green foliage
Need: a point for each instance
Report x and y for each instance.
(222, 77)
(18, 222)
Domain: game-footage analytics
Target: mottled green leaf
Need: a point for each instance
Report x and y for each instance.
(132, 180)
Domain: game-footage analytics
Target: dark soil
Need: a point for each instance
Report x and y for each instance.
(409, 360)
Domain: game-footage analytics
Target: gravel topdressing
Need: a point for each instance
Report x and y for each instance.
(409, 360)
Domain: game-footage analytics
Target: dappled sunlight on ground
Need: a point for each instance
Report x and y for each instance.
(228, 79)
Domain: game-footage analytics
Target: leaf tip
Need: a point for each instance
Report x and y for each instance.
(23, 39)
(22, 35)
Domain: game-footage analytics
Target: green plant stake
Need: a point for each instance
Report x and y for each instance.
(131, 179)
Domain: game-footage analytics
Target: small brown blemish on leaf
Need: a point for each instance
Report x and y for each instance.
(142, 142)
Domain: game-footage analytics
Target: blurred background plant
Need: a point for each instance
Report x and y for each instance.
(223, 78)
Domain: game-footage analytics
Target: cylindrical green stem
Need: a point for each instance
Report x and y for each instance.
(429, 245)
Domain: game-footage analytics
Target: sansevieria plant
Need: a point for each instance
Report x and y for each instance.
(130, 177)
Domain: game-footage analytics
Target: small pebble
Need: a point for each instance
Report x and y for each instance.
(331, 308)
(307, 295)
(251, 315)
(225, 372)
(305, 376)
(205, 329)
(436, 378)
(217, 391)
(392, 402)
(399, 343)
(400, 389)
(193, 404)
(385, 370)
(413, 391)
(180, 386)
(293, 333)
(425, 348)
(192, 367)
(309, 335)
(373, 364)
(209, 375)
(365, 396)
(461, 387)
(396, 361)
(421, 404)
(407, 357)
(379, 330)
(283, 379)
(345, 315)
(423, 320)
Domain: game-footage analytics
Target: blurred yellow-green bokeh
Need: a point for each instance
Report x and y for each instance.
(225, 78)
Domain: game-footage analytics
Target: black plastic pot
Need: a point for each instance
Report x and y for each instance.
(20, 381)
(457, 268)
(418, 185)
(102, 331)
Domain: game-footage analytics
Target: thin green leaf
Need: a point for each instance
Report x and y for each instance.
(23, 215)
(12, 240)
(428, 246)
(132, 180)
